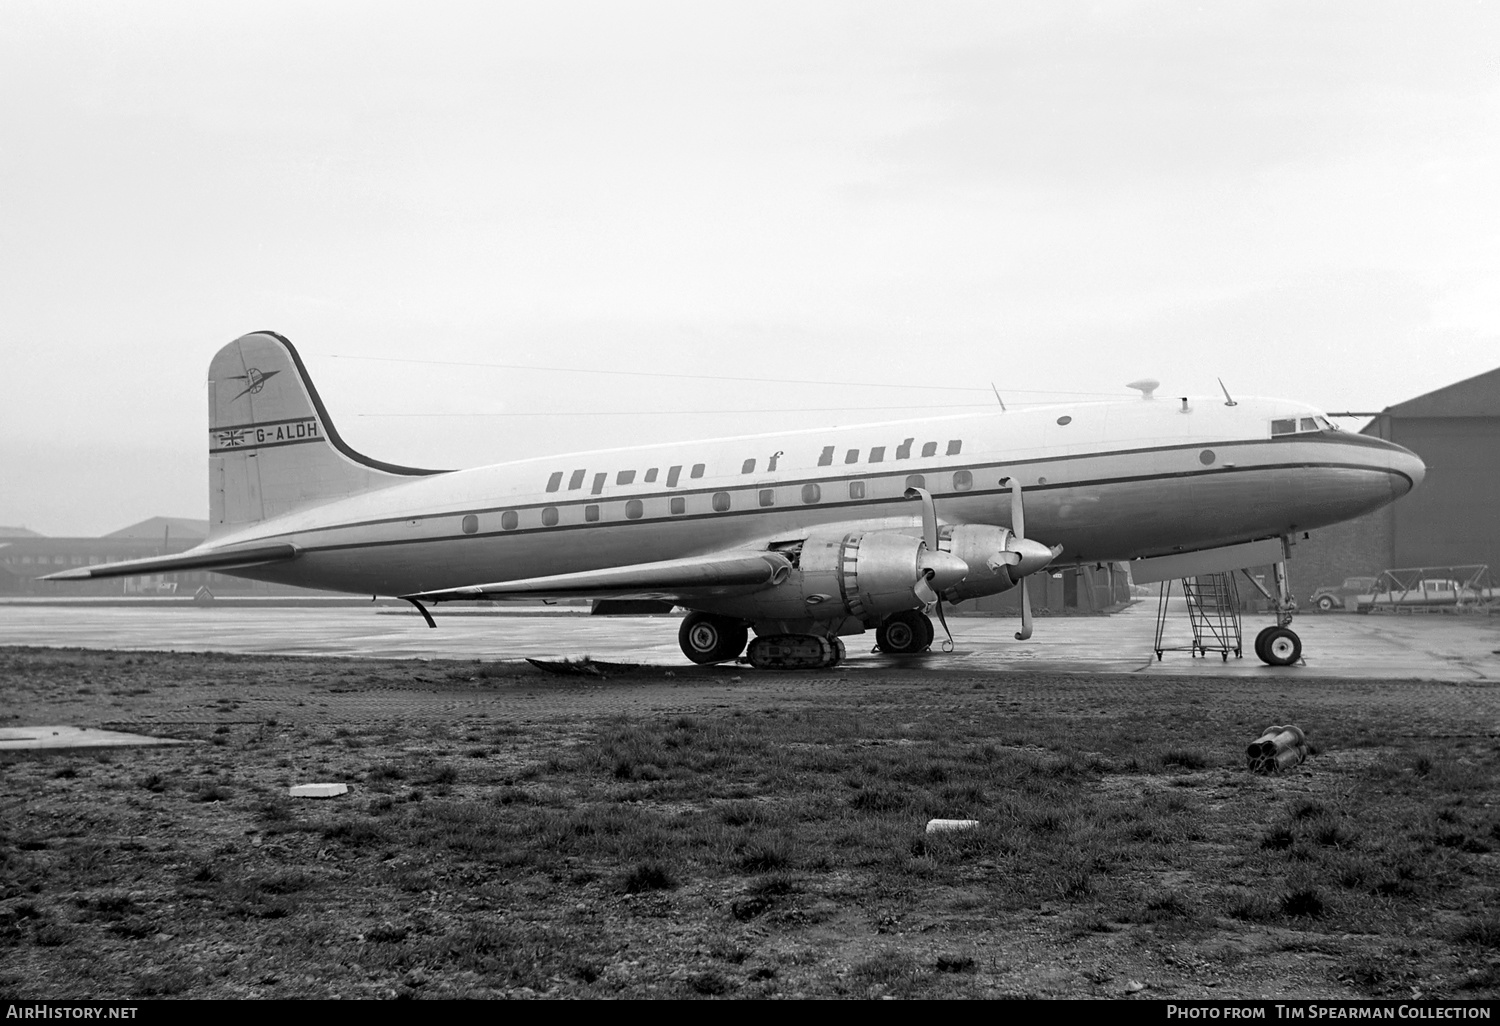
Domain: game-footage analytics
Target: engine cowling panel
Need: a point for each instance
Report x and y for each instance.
(983, 548)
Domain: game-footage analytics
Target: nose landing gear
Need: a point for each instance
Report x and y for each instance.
(1278, 644)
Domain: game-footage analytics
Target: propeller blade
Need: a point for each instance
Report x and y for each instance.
(929, 516)
(923, 589)
(948, 643)
(1017, 509)
(1025, 631)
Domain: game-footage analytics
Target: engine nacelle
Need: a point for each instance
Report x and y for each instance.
(981, 547)
(866, 575)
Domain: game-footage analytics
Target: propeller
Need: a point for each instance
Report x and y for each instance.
(937, 567)
(1029, 556)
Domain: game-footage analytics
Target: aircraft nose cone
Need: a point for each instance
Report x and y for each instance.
(1034, 556)
(947, 569)
(1410, 466)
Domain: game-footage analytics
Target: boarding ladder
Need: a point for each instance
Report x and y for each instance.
(1213, 608)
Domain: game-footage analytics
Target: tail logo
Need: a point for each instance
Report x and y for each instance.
(256, 379)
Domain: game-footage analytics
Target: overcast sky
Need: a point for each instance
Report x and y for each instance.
(1298, 197)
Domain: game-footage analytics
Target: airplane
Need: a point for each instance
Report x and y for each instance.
(799, 538)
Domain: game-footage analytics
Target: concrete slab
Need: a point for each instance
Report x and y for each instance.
(14, 739)
(318, 790)
(1378, 646)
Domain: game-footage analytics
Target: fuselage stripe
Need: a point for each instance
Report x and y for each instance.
(876, 507)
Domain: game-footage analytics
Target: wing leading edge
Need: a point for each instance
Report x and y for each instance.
(722, 573)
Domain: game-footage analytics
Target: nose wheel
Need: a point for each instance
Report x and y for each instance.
(1278, 646)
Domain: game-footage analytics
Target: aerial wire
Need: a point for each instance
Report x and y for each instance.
(704, 377)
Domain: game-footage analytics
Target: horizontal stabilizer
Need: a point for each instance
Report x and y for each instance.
(717, 574)
(218, 559)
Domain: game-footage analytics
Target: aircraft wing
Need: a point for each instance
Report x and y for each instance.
(720, 573)
(218, 559)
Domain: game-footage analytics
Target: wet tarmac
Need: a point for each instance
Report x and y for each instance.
(1377, 646)
(14, 739)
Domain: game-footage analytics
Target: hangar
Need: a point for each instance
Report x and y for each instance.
(1453, 519)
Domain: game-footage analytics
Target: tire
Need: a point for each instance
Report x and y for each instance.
(905, 633)
(1327, 603)
(705, 638)
(1282, 647)
(1260, 642)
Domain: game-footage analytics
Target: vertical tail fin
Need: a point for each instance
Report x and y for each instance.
(272, 448)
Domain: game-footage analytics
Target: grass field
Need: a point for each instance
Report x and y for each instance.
(752, 842)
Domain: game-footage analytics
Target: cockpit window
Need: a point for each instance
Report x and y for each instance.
(1297, 426)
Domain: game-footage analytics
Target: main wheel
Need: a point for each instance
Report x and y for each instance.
(706, 638)
(905, 633)
(1327, 602)
(1282, 647)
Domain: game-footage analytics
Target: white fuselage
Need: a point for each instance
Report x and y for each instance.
(1106, 481)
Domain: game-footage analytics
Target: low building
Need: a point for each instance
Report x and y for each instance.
(1453, 519)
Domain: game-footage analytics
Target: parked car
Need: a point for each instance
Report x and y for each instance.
(1342, 596)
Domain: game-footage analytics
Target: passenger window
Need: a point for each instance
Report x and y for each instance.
(591, 512)
(748, 467)
(768, 496)
(697, 470)
(549, 516)
(576, 481)
(811, 493)
(624, 477)
(916, 481)
(651, 475)
(825, 459)
(679, 504)
(634, 509)
(599, 480)
(509, 520)
(962, 480)
(471, 524)
(903, 451)
(673, 474)
(954, 445)
(877, 454)
(721, 502)
(929, 449)
(554, 482)
(852, 456)
(856, 489)
(1283, 427)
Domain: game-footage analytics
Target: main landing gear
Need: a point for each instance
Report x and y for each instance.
(905, 633)
(706, 638)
